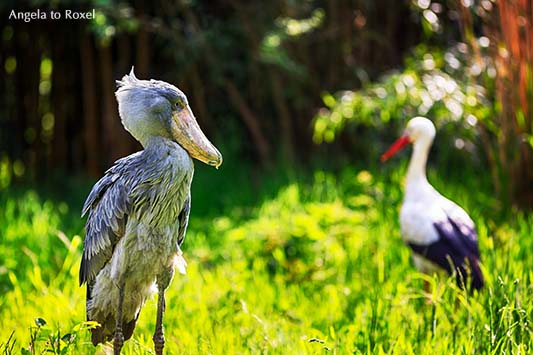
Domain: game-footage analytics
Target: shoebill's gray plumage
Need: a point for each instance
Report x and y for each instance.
(139, 210)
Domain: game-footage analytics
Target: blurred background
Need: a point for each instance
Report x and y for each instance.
(301, 97)
(271, 82)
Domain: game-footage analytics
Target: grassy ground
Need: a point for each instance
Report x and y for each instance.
(315, 265)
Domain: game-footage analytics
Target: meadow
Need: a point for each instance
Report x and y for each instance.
(297, 264)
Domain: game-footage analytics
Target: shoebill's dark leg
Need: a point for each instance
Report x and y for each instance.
(163, 281)
(118, 340)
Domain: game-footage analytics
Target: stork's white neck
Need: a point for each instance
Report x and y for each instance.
(416, 173)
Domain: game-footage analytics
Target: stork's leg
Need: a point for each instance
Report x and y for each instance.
(427, 287)
(118, 340)
(163, 281)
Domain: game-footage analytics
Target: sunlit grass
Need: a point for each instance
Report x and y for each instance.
(317, 268)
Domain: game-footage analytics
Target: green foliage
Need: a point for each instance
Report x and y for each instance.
(433, 83)
(45, 340)
(316, 267)
(110, 21)
(30, 236)
(272, 51)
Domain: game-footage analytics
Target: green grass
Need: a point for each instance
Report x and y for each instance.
(310, 264)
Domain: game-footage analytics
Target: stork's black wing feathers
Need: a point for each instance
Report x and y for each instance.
(463, 235)
(457, 249)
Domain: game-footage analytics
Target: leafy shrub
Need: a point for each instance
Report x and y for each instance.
(434, 83)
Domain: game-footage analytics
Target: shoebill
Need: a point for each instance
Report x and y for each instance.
(440, 234)
(139, 210)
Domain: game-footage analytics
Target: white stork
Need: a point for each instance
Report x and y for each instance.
(440, 234)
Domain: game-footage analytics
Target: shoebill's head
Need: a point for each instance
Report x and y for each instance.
(151, 108)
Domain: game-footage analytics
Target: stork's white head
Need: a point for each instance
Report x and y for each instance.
(420, 131)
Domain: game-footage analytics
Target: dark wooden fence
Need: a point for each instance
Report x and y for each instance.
(58, 111)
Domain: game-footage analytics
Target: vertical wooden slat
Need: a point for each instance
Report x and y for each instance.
(92, 140)
(61, 97)
(27, 77)
(116, 139)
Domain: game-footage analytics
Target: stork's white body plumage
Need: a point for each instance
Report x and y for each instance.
(440, 233)
(422, 208)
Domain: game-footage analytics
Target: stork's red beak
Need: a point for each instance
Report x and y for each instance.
(396, 146)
